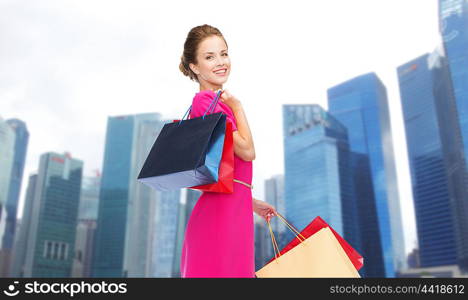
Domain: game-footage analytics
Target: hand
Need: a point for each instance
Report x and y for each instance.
(263, 209)
(229, 99)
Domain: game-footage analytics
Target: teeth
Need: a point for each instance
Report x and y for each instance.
(220, 72)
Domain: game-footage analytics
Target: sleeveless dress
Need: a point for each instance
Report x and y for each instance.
(219, 237)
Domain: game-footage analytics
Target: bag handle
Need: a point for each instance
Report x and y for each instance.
(218, 95)
(290, 227)
(215, 102)
(273, 241)
(188, 111)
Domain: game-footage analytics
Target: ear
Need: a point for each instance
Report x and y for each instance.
(194, 68)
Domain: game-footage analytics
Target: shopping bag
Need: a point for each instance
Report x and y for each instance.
(186, 153)
(225, 183)
(314, 226)
(319, 255)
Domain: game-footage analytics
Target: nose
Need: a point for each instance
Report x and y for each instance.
(219, 61)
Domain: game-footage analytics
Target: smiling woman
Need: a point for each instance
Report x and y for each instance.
(219, 238)
(197, 38)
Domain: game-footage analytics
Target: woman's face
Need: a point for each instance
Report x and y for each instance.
(213, 63)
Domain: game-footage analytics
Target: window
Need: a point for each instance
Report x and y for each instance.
(56, 250)
(62, 251)
(47, 249)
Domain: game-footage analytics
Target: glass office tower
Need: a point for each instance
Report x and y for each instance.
(7, 156)
(54, 213)
(117, 195)
(86, 228)
(113, 199)
(188, 199)
(437, 163)
(317, 180)
(360, 104)
(19, 158)
(453, 20)
(136, 224)
(7, 143)
(21, 238)
(164, 237)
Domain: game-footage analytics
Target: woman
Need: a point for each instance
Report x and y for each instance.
(219, 238)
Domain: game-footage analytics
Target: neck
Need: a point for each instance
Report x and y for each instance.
(208, 86)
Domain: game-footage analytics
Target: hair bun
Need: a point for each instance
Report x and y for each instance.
(182, 67)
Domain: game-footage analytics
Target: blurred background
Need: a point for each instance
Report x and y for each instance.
(358, 109)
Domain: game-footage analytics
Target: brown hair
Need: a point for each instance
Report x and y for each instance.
(193, 40)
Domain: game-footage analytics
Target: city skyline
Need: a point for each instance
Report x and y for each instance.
(141, 63)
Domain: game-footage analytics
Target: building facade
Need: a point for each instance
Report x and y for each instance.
(437, 163)
(318, 177)
(16, 177)
(54, 214)
(453, 20)
(313, 141)
(135, 224)
(86, 227)
(116, 195)
(361, 105)
(7, 156)
(21, 238)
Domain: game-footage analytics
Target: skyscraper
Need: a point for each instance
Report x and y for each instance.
(7, 156)
(437, 164)
(21, 238)
(453, 23)
(19, 158)
(117, 185)
(7, 142)
(191, 201)
(164, 236)
(360, 104)
(263, 242)
(86, 227)
(189, 198)
(181, 220)
(130, 213)
(317, 178)
(453, 20)
(89, 198)
(143, 201)
(51, 236)
(312, 142)
(274, 195)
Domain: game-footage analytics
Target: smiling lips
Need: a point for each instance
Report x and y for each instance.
(220, 72)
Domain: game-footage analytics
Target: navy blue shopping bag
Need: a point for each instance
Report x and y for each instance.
(186, 153)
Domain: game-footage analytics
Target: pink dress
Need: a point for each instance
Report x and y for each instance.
(219, 238)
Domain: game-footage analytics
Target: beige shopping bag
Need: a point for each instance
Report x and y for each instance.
(319, 255)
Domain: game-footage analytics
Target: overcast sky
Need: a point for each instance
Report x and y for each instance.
(65, 66)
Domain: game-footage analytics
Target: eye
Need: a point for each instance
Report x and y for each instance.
(209, 57)
(225, 54)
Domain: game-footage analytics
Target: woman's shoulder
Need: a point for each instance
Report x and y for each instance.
(201, 101)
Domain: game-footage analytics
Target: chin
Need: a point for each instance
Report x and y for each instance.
(218, 81)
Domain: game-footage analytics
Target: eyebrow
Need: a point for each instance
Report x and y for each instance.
(225, 50)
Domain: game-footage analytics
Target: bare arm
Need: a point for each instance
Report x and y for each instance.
(263, 209)
(243, 141)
